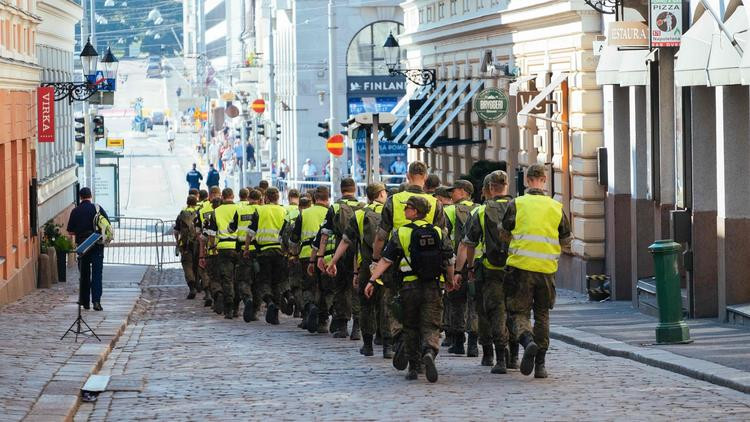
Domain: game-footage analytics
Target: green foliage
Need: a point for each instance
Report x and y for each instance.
(478, 171)
(52, 237)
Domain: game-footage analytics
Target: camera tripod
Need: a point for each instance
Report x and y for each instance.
(79, 324)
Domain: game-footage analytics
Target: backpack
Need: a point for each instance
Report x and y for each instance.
(103, 227)
(463, 212)
(493, 217)
(187, 229)
(370, 224)
(426, 256)
(344, 214)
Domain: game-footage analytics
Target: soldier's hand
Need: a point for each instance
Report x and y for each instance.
(246, 253)
(369, 289)
(321, 264)
(372, 266)
(456, 282)
(310, 269)
(202, 263)
(331, 270)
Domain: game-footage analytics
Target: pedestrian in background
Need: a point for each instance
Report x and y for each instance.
(213, 153)
(84, 221)
(194, 178)
(212, 179)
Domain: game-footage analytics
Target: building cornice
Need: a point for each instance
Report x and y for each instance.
(63, 9)
(16, 74)
(8, 8)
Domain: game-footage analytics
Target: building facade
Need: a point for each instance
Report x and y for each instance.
(55, 161)
(540, 53)
(19, 77)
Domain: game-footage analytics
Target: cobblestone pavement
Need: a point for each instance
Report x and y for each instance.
(190, 364)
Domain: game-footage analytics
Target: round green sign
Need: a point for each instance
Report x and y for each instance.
(491, 104)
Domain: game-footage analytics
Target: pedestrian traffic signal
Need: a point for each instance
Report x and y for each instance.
(278, 130)
(80, 130)
(325, 133)
(98, 122)
(261, 129)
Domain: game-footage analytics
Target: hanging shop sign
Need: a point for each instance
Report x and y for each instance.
(666, 23)
(491, 104)
(628, 34)
(45, 111)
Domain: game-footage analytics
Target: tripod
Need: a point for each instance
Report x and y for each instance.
(79, 331)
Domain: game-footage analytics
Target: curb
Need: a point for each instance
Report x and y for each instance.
(61, 396)
(694, 368)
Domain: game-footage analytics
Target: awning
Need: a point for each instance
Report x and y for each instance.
(422, 115)
(525, 112)
(724, 61)
(438, 110)
(633, 69)
(401, 110)
(437, 140)
(608, 69)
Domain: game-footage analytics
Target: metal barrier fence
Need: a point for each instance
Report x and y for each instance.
(141, 241)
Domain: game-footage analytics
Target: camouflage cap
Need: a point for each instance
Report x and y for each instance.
(442, 192)
(497, 177)
(418, 203)
(373, 189)
(465, 185)
(536, 171)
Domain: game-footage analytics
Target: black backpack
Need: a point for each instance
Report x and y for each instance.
(496, 251)
(426, 256)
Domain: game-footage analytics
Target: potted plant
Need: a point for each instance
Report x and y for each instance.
(54, 238)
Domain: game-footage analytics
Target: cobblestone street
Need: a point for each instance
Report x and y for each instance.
(190, 364)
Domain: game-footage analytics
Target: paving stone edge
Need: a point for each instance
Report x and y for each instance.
(67, 413)
(693, 368)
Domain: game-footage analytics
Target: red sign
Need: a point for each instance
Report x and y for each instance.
(45, 112)
(259, 106)
(335, 145)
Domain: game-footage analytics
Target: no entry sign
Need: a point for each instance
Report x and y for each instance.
(335, 145)
(259, 106)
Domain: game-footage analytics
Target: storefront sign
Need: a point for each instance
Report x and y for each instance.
(525, 97)
(628, 34)
(491, 104)
(376, 85)
(45, 110)
(107, 187)
(666, 23)
(116, 143)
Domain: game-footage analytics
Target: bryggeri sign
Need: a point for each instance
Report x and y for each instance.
(491, 104)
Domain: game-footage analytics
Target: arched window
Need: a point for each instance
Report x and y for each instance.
(365, 56)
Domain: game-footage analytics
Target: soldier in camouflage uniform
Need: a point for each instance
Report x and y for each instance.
(444, 197)
(185, 232)
(538, 230)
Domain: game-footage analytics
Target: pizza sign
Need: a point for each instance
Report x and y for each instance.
(666, 23)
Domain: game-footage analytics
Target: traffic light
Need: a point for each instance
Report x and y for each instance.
(261, 129)
(98, 122)
(80, 130)
(325, 125)
(278, 130)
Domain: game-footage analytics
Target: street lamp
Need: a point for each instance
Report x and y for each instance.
(82, 91)
(422, 77)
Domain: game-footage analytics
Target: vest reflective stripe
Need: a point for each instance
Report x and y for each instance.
(225, 238)
(204, 213)
(245, 213)
(399, 217)
(535, 245)
(479, 248)
(292, 212)
(404, 238)
(271, 219)
(485, 261)
(450, 215)
(312, 218)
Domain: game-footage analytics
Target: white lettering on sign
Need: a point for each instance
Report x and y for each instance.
(46, 114)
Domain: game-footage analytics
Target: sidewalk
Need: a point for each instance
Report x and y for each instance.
(719, 353)
(41, 376)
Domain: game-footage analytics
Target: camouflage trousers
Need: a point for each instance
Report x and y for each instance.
(462, 314)
(296, 284)
(189, 261)
(210, 276)
(491, 312)
(271, 277)
(247, 269)
(226, 263)
(374, 314)
(527, 291)
(319, 291)
(344, 294)
(422, 306)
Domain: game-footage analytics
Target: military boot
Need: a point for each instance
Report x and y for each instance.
(472, 350)
(322, 327)
(448, 340)
(487, 358)
(312, 319)
(539, 370)
(366, 348)
(340, 330)
(499, 367)
(458, 344)
(219, 303)
(378, 341)
(412, 373)
(356, 335)
(228, 311)
(529, 355)
(400, 360)
(191, 295)
(207, 301)
(430, 370)
(247, 312)
(512, 361)
(387, 349)
(272, 314)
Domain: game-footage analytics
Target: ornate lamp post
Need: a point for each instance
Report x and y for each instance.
(82, 91)
(423, 77)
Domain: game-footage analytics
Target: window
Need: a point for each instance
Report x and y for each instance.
(365, 55)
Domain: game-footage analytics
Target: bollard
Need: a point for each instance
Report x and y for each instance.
(671, 327)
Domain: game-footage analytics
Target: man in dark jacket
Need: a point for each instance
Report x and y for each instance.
(212, 179)
(194, 178)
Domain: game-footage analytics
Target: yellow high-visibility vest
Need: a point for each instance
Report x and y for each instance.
(245, 215)
(206, 212)
(225, 238)
(312, 218)
(536, 242)
(292, 212)
(399, 217)
(271, 219)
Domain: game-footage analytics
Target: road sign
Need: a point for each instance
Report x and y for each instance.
(259, 106)
(491, 104)
(115, 143)
(335, 145)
